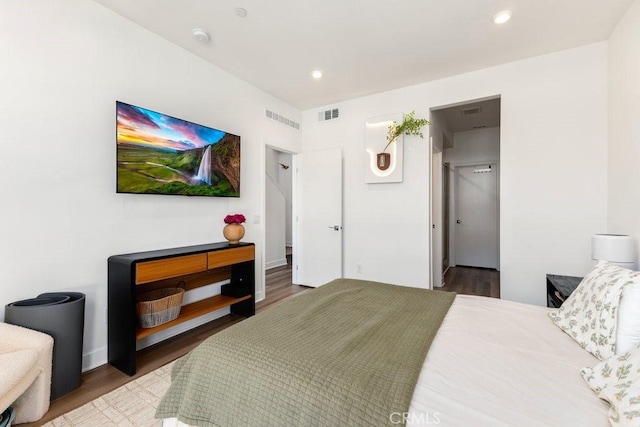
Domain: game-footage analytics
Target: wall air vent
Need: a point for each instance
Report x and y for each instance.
(471, 110)
(281, 119)
(480, 127)
(332, 114)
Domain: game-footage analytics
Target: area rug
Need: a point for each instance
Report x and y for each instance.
(133, 404)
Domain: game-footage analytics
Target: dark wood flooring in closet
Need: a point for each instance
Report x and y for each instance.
(473, 281)
(105, 378)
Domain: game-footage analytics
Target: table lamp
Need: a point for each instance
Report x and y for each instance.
(618, 249)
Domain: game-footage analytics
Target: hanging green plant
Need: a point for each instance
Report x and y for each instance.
(409, 126)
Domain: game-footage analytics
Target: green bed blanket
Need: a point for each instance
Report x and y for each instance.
(346, 354)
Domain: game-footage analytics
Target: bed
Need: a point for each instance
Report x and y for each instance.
(491, 362)
(498, 362)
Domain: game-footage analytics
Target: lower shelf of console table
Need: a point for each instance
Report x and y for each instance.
(192, 311)
(193, 267)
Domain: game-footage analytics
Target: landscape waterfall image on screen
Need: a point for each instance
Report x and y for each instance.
(160, 154)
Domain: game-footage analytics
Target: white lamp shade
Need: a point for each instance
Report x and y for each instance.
(616, 248)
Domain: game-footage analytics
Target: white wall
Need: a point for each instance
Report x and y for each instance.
(624, 125)
(274, 220)
(274, 216)
(438, 129)
(553, 176)
(64, 64)
(271, 162)
(478, 145)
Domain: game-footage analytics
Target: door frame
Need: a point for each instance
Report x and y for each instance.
(294, 219)
(435, 217)
(452, 177)
(261, 285)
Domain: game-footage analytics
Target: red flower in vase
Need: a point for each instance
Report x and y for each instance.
(234, 219)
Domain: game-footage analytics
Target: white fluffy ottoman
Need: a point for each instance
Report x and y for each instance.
(25, 377)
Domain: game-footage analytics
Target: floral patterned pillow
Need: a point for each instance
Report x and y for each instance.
(617, 381)
(590, 314)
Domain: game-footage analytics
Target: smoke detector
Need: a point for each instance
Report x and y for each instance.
(200, 35)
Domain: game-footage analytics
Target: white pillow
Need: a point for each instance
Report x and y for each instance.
(617, 381)
(628, 334)
(590, 314)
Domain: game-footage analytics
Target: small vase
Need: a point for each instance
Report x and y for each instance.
(233, 233)
(383, 161)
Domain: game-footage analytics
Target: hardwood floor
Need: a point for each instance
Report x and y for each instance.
(473, 281)
(279, 287)
(106, 378)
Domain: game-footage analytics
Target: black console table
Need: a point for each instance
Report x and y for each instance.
(559, 288)
(195, 266)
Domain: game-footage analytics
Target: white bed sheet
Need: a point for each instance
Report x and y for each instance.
(500, 363)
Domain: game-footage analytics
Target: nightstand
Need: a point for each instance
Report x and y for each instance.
(559, 288)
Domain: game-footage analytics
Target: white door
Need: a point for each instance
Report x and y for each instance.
(318, 188)
(436, 219)
(476, 216)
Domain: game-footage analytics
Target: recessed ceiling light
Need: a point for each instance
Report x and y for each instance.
(502, 17)
(316, 74)
(240, 12)
(200, 35)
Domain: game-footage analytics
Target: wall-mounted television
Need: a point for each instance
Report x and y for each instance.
(160, 154)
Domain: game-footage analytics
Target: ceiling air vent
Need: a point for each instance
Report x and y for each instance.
(480, 127)
(328, 115)
(282, 119)
(472, 110)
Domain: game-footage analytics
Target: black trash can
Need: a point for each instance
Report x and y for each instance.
(7, 417)
(61, 315)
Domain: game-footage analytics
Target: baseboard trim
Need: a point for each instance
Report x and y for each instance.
(276, 263)
(94, 359)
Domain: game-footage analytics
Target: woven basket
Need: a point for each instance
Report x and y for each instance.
(160, 306)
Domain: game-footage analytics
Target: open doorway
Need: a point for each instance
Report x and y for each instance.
(278, 220)
(467, 246)
(315, 254)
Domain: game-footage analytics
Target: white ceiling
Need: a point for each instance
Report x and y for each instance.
(368, 46)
